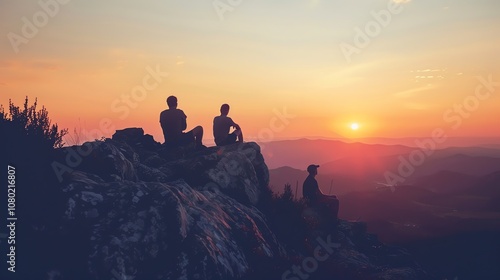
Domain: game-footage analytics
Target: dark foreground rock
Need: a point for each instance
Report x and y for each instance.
(136, 210)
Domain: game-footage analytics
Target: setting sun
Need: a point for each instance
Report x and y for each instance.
(354, 126)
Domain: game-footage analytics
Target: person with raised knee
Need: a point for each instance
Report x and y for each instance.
(315, 197)
(222, 126)
(173, 122)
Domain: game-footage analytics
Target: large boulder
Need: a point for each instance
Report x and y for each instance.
(135, 224)
(151, 215)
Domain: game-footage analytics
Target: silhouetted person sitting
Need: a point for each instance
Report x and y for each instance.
(315, 197)
(173, 123)
(222, 126)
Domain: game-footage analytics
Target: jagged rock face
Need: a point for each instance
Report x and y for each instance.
(159, 214)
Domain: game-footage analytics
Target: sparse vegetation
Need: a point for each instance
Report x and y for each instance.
(29, 139)
(31, 124)
(285, 218)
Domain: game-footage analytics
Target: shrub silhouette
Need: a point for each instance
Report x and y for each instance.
(285, 218)
(29, 124)
(287, 193)
(28, 142)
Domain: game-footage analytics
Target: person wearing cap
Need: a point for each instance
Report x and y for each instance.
(173, 123)
(314, 196)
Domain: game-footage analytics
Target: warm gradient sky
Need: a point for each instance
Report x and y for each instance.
(260, 57)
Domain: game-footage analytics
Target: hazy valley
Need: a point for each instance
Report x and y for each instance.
(449, 197)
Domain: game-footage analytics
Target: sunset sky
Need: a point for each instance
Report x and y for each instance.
(87, 62)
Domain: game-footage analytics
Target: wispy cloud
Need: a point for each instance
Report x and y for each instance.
(425, 75)
(180, 60)
(32, 65)
(45, 65)
(411, 92)
(418, 106)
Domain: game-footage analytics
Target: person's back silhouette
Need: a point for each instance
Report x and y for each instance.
(173, 123)
(222, 126)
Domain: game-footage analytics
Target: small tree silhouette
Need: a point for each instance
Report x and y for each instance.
(28, 142)
(287, 193)
(285, 218)
(30, 123)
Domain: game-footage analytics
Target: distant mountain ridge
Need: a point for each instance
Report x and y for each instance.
(301, 152)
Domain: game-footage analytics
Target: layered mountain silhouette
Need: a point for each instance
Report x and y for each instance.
(454, 194)
(364, 166)
(297, 153)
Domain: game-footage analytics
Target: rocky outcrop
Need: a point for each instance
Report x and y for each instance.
(191, 212)
(143, 211)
